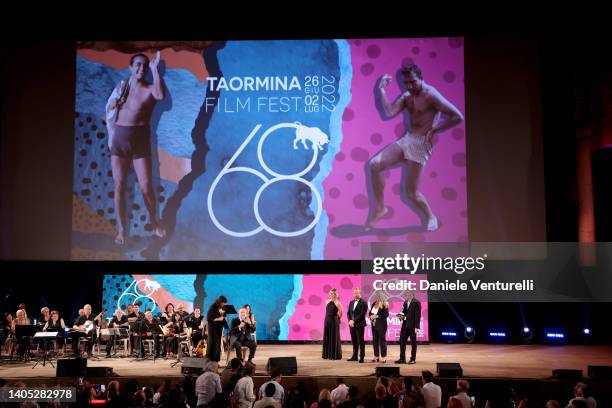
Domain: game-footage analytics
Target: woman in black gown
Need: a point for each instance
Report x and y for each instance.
(332, 346)
(216, 322)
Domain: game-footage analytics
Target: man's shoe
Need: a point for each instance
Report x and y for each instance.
(352, 359)
(400, 361)
(412, 361)
(361, 360)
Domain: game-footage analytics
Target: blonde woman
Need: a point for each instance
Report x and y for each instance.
(378, 316)
(332, 346)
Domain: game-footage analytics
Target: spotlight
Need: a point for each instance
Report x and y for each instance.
(527, 335)
(497, 334)
(586, 336)
(470, 334)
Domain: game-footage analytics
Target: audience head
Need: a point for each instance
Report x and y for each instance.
(235, 363)
(277, 375)
(270, 390)
(463, 386)
(325, 394)
(427, 376)
(380, 391)
(339, 380)
(212, 366)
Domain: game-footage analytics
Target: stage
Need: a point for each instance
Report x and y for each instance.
(477, 360)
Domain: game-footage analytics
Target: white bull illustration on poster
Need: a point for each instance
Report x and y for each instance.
(313, 134)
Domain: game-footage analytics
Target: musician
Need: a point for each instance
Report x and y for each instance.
(180, 310)
(197, 325)
(55, 324)
(170, 322)
(6, 330)
(241, 335)
(80, 330)
(150, 326)
(250, 314)
(133, 315)
(25, 342)
(22, 306)
(44, 316)
(118, 320)
(129, 312)
(137, 313)
(216, 320)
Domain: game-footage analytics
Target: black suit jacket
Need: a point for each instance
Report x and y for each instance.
(412, 314)
(236, 334)
(359, 315)
(381, 322)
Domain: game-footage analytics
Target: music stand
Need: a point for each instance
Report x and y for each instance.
(113, 333)
(45, 337)
(141, 327)
(178, 351)
(25, 330)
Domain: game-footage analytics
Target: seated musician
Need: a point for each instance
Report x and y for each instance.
(169, 320)
(85, 326)
(6, 330)
(118, 320)
(44, 316)
(55, 324)
(25, 342)
(180, 310)
(241, 335)
(198, 327)
(133, 314)
(149, 326)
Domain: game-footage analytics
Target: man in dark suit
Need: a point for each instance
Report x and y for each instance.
(241, 335)
(411, 316)
(356, 316)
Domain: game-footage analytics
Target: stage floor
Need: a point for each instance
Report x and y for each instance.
(477, 360)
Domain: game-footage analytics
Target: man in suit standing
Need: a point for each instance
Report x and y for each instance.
(356, 319)
(411, 316)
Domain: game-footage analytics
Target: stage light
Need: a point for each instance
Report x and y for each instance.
(497, 334)
(449, 336)
(470, 334)
(554, 337)
(526, 335)
(586, 336)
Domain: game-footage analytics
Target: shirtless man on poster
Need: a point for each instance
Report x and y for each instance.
(132, 103)
(424, 104)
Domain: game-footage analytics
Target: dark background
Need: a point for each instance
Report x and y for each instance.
(520, 81)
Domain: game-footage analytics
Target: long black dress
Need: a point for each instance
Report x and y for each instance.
(215, 333)
(332, 347)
